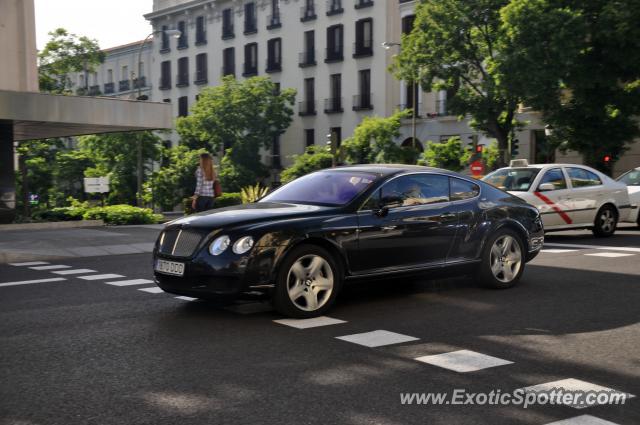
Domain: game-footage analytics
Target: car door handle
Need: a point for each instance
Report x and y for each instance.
(448, 216)
(388, 227)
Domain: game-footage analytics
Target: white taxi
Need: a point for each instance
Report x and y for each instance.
(632, 180)
(568, 196)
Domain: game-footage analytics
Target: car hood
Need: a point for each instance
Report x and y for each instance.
(248, 214)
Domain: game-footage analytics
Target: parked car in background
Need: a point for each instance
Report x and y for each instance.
(300, 243)
(568, 196)
(632, 179)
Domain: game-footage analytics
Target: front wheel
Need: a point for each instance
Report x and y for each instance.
(605, 222)
(502, 260)
(308, 282)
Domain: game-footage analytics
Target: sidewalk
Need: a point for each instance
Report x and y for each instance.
(33, 245)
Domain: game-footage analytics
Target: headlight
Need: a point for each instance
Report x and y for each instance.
(218, 246)
(243, 245)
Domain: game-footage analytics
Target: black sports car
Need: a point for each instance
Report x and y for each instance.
(302, 241)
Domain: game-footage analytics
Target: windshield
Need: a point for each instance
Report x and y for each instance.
(632, 178)
(331, 188)
(512, 179)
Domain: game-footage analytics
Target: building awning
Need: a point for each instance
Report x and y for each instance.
(40, 115)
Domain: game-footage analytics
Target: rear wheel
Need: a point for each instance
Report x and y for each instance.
(307, 283)
(605, 222)
(502, 260)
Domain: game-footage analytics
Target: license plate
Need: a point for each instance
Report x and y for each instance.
(170, 267)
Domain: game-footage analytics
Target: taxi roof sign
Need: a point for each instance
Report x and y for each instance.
(519, 163)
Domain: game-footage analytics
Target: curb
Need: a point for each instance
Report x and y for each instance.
(53, 225)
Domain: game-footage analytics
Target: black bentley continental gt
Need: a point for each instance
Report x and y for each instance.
(300, 243)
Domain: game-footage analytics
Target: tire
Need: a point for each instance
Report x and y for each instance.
(605, 222)
(308, 282)
(503, 260)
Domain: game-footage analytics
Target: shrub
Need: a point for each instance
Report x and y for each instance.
(122, 214)
(251, 194)
(60, 214)
(227, 200)
(315, 158)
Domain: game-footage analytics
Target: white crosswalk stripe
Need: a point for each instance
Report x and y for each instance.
(463, 361)
(30, 263)
(27, 282)
(309, 323)
(575, 385)
(377, 338)
(583, 420)
(558, 251)
(152, 290)
(73, 271)
(609, 254)
(130, 282)
(606, 248)
(100, 276)
(182, 297)
(54, 267)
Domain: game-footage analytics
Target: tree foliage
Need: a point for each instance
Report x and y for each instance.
(459, 46)
(64, 54)
(315, 158)
(242, 117)
(373, 141)
(450, 155)
(583, 70)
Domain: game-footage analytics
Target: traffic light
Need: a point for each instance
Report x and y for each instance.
(607, 159)
(479, 148)
(514, 147)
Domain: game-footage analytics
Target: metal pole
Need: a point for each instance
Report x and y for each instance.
(413, 94)
(140, 171)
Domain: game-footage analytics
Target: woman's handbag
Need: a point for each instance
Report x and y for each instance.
(217, 188)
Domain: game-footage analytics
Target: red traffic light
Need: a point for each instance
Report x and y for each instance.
(479, 148)
(607, 159)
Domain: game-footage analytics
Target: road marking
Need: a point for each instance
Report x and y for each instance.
(74, 271)
(583, 420)
(152, 290)
(30, 263)
(182, 297)
(56, 267)
(609, 254)
(310, 323)
(558, 251)
(463, 361)
(130, 282)
(571, 385)
(100, 276)
(27, 282)
(377, 338)
(607, 248)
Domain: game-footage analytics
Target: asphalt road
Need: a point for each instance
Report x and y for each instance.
(80, 351)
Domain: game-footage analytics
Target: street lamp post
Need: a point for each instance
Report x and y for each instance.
(171, 33)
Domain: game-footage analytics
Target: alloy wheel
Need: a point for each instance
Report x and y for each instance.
(506, 258)
(310, 282)
(607, 221)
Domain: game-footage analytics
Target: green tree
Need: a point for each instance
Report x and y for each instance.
(36, 171)
(450, 155)
(373, 141)
(116, 155)
(64, 54)
(242, 117)
(582, 62)
(68, 173)
(315, 158)
(459, 46)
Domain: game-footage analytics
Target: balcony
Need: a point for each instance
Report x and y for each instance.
(361, 4)
(201, 38)
(363, 49)
(109, 88)
(140, 82)
(334, 7)
(249, 69)
(165, 48)
(333, 105)
(228, 70)
(124, 85)
(405, 106)
(307, 58)
(227, 32)
(334, 55)
(308, 13)
(183, 42)
(274, 21)
(273, 66)
(442, 108)
(182, 80)
(250, 26)
(362, 102)
(307, 108)
(94, 90)
(164, 83)
(200, 77)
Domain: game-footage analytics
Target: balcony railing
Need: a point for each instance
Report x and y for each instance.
(227, 32)
(362, 49)
(249, 69)
(334, 55)
(164, 83)
(109, 88)
(200, 77)
(201, 38)
(360, 4)
(273, 21)
(333, 105)
(405, 106)
(124, 85)
(307, 58)
(250, 26)
(273, 66)
(334, 7)
(308, 107)
(182, 80)
(308, 13)
(94, 90)
(442, 108)
(362, 102)
(183, 41)
(139, 82)
(228, 70)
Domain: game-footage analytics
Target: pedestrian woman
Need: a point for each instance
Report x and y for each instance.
(205, 176)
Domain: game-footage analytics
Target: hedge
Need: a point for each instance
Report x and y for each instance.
(122, 214)
(225, 200)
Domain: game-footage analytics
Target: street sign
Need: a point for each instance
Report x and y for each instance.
(96, 184)
(477, 168)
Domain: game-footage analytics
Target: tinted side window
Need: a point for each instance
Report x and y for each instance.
(555, 177)
(415, 189)
(462, 189)
(581, 177)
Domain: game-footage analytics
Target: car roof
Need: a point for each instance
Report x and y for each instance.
(390, 169)
(552, 165)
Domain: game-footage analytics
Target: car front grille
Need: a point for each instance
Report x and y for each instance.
(179, 242)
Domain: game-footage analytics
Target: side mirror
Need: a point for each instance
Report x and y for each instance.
(545, 187)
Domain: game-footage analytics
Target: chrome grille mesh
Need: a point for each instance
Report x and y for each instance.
(180, 242)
